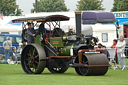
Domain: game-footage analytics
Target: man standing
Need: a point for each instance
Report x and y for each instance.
(120, 52)
(30, 33)
(7, 48)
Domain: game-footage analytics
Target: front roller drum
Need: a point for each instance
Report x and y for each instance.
(30, 59)
(95, 64)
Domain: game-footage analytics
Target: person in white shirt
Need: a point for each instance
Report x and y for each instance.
(7, 48)
(120, 51)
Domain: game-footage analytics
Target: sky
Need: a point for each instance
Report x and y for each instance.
(27, 5)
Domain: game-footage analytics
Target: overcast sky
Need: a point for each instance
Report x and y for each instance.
(26, 5)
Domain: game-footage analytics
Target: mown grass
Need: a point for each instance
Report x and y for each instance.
(14, 75)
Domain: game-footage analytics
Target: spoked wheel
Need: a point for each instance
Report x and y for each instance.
(82, 70)
(58, 66)
(57, 69)
(30, 59)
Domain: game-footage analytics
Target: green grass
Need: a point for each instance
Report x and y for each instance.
(14, 75)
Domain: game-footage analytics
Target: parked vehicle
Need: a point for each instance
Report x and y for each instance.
(15, 38)
(102, 31)
(10, 29)
(102, 26)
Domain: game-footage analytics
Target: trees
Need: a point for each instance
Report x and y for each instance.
(120, 5)
(115, 5)
(90, 5)
(50, 6)
(7, 7)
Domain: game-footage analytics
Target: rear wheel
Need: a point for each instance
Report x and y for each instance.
(30, 59)
(57, 69)
(58, 66)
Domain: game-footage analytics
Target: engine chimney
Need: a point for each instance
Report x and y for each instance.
(78, 23)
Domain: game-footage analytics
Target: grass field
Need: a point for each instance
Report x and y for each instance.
(14, 75)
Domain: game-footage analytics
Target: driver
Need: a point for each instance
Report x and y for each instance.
(30, 33)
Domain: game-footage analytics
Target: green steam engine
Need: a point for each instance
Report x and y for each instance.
(58, 50)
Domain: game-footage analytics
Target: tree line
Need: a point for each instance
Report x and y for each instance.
(9, 7)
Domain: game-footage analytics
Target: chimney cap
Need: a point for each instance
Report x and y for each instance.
(77, 12)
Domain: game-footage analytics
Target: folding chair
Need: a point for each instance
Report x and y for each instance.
(112, 53)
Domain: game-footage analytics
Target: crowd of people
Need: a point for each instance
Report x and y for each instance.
(9, 49)
(117, 54)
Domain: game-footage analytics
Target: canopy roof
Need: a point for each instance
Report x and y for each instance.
(42, 19)
(92, 17)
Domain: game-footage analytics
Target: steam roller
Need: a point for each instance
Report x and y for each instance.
(57, 50)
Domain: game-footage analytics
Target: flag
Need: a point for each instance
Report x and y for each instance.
(1, 16)
(15, 12)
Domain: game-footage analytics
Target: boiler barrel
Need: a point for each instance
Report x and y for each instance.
(65, 51)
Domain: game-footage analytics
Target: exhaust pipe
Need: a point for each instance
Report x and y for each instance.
(78, 23)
